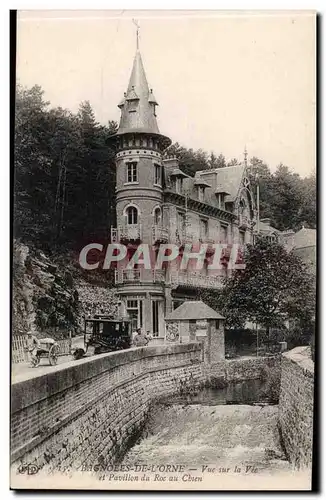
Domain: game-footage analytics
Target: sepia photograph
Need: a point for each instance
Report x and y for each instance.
(164, 255)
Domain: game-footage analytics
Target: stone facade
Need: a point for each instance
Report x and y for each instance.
(157, 203)
(296, 406)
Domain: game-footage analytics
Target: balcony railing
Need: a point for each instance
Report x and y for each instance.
(159, 235)
(126, 232)
(196, 279)
(183, 237)
(125, 276)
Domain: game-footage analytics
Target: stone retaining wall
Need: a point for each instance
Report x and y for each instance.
(78, 415)
(239, 369)
(296, 405)
(71, 417)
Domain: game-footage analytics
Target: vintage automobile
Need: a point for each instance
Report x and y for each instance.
(104, 334)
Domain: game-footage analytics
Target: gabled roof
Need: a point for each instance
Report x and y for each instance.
(230, 179)
(227, 180)
(176, 172)
(221, 190)
(201, 182)
(193, 310)
(152, 99)
(132, 96)
(265, 228)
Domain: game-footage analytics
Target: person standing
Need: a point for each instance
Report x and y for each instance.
(33, 344)
(140, 340)
(135, 333)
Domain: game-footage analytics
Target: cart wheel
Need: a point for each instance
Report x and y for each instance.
(53, 355)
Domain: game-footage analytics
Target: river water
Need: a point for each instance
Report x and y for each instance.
(233, 429)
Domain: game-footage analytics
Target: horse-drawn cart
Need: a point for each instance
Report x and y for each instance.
(49, 349)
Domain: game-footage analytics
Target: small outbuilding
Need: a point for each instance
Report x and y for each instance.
(196, 321)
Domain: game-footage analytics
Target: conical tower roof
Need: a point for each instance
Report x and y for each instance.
(138, 105)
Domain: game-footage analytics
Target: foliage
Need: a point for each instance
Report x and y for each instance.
(275, 286)
(190, 161)
(64, 185)
(64, 174)
(286, 198)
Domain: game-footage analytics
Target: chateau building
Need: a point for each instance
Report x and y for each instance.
(158, 203)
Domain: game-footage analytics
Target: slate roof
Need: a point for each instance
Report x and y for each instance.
(143, 118)
(193, 310)
(178, 173)
(265, 228)
(230, 179)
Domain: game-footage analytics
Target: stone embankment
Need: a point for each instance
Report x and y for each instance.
(296, 405)
(94, 410)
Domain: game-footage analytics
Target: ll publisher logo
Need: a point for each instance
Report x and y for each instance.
(29, 469)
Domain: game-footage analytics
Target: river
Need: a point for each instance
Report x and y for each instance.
(233, 429)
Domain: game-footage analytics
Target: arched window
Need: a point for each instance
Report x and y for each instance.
(132, 215)
(157, 216)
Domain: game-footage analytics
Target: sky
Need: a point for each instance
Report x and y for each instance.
(223, 80)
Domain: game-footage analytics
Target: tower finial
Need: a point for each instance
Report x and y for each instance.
(245, 154)
(137, 32)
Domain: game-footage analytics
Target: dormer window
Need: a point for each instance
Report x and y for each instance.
(220, 201)
(132, 174)
(201, 193)
(132, 99)
(178, 175)
(220, 197)
(201, 186)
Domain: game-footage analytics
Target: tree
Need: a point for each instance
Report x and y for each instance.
(309, 199)
(212, 161)
(190, 161)
(260, 173)
(286, 195)
(32, 166)
(232, 162)
(220, 161)
(275, 286)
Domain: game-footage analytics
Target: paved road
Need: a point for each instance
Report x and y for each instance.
(23, 371)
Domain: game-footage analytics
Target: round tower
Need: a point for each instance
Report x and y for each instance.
(139, 196)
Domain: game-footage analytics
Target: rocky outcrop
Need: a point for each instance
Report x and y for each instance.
(51, 294)
(45, 298)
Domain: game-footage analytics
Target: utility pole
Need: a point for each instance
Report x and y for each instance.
(258, 214)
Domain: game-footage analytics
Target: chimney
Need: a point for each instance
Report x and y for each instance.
(170, 163)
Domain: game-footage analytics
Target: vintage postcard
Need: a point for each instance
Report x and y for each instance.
(164, 251)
